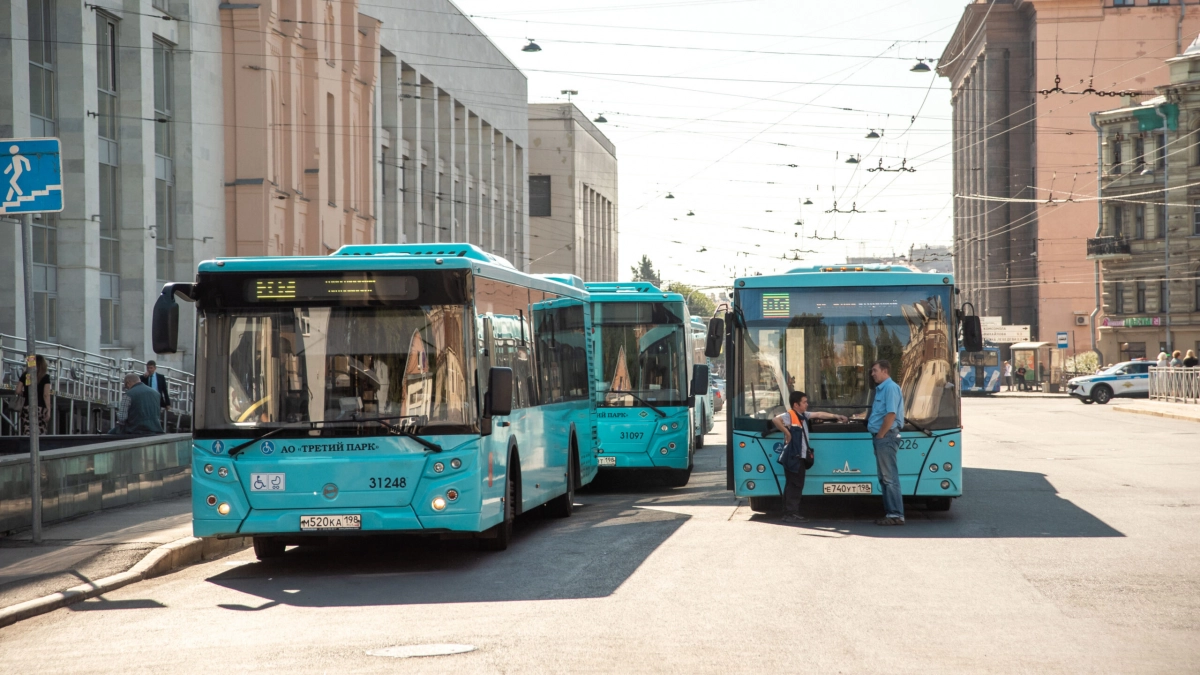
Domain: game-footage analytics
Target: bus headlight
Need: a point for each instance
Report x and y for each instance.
(933, 468)
(223, 509)
(439, 504)
(662, 451)
(455, 463)
(438, 467)
(945, 485)
(663, 427)
(747, 468)
(674, 425)
(947, 466)
(223, 472)
(671, 446)
(749, 485)
(761, 468)
(208, 468)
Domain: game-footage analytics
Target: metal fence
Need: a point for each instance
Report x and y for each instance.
(1175, 384)
(85, 388)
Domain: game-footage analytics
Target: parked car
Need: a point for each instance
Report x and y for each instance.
(718, 389)
(1130, 378)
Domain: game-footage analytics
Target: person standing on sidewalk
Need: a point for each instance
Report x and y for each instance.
(1008, 375)
(884, 422)
(794, 425)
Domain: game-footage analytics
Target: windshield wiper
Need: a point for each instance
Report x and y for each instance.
(920, 428)
(630, 393)
(400, 430)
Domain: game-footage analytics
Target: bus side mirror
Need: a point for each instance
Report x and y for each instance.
(500, 392)
(972, 334)
(699, 380)
(716, 338)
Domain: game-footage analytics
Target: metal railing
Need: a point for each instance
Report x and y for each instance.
(1175, 384)
(85, 388)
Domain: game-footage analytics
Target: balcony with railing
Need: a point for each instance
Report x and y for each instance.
(1108, 247)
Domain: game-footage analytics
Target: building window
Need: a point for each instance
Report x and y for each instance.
(1122, 3)
(1118, 221)
(1139, 153)
(43, 103)
(110, 189)
(539, 196)
(1139, 221)
(1162, 295)
(1116, 156)
(1118, 298)
(160, 5)
(331, 148)
(1160, 158)
(164, 160)
(45, 275)
(1140, 298)
(1197, 294)
(1196, 219)
(1158, 2)
(1160, 212)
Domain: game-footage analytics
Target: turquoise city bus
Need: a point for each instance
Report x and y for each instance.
(384, 388)
(818, 330)
(705, 403)
(980, 372)
(648, 389)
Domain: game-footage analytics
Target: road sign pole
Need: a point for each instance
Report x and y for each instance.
(32, 395)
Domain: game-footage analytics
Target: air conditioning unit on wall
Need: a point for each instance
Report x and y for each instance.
(1081, 320)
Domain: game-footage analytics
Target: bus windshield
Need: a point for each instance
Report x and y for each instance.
(641, 347)
(273, 366)
(822, 341)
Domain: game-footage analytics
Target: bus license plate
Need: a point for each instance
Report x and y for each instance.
(606, 461)
(847, 488)
(344, 522)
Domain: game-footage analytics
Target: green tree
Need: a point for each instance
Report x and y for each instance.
(644, 271)
(698, 303)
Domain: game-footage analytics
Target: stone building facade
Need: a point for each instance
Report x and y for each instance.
(1150, 159)
(573, 194)
(1020, 73)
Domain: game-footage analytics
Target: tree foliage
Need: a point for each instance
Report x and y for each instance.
(698, 302)
(644, 271)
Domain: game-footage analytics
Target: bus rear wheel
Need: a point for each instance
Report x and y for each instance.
(938, 504)
(266, 548)
(564, 505)
(766, 504)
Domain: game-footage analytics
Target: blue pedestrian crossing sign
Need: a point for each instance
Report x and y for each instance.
(31, 181)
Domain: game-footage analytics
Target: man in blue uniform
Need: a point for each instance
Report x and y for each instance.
(884, 423)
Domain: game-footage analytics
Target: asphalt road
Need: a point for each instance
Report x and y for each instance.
(1074, 549)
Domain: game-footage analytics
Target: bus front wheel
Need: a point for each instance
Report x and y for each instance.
(266, 548)
(938, 503)
(678, 477)
(765, 504)
(700, 436)
(500, 535)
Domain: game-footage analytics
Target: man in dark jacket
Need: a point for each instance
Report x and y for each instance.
(157, 382)
(139, 408)
(794, 425)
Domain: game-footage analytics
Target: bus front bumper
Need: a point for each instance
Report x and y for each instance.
(375, 520)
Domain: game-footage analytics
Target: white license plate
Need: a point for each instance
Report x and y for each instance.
(847, 488)
(268, 482)
(351, 521)
(606, 461)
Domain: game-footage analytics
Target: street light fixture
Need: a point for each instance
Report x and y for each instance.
(852, 160)
(600, 119)
(670, 196)
(531, 47)
(872, 134)
(921, 67)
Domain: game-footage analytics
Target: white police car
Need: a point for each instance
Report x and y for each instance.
(1131, 378)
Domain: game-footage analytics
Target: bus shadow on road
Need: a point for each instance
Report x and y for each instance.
(586, 556)
(996, 504)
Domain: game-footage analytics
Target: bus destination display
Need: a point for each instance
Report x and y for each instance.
(341, 288)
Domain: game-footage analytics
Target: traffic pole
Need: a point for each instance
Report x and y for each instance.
(32, 395)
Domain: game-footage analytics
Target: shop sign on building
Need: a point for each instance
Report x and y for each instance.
(1132, 322)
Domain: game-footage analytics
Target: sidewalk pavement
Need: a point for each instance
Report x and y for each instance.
(90, 556)
(88, 548)
(1028, 394)
(1178, 411)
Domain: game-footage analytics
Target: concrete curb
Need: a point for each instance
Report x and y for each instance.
(1157, 413)
(164, 559)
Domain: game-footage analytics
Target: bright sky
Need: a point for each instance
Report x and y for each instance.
(739, 109)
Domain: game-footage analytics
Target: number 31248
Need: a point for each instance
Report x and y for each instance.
(387, 483)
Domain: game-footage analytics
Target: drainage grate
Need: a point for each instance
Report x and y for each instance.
(413, 651)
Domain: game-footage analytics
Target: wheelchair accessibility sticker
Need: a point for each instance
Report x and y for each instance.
(268, 482)
(267, 447)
